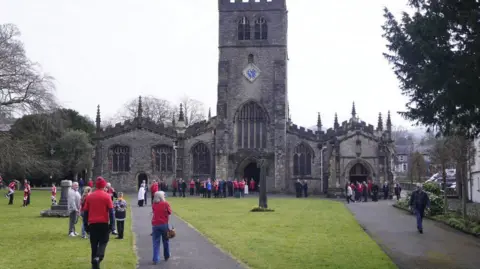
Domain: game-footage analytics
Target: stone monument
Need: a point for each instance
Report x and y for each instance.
(61, 209)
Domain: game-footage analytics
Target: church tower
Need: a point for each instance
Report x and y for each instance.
(252, 89)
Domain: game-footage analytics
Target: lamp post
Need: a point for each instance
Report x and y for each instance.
(321, 167)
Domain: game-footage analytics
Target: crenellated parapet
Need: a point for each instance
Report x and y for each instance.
(137, 123)
(302, 132)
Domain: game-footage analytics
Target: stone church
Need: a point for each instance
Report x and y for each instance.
(252, 124)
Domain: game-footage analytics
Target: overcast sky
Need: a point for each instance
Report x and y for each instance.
(109, 51)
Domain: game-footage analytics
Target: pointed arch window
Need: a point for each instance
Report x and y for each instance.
(119, 159)
(244, 29)
(251, 125)
(261, 29)
(201, 159)
(302, 160)
(162, 159)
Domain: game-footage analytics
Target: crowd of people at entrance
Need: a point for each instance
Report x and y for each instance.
(362, 191)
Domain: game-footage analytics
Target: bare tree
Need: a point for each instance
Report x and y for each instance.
(418, 167)
(23, 87)
(193, 109)
(463, 150)
(441, 156)
(158, 110)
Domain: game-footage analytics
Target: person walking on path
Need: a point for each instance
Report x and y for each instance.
(397, 190)
(74, 207)
(349, 194)
(120, 207)
(141, 195)
(99, 215)
(161, 213)
(419, 201)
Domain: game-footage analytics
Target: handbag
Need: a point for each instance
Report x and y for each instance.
(171, 233)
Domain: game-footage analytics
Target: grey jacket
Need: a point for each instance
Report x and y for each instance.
(74, 198)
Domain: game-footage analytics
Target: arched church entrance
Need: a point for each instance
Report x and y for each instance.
(140, 178)
(358, 173)
(252, 172)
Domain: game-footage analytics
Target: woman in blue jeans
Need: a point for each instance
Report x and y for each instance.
(87, 190)
(161, 212)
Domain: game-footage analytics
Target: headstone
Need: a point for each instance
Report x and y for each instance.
(61, 209)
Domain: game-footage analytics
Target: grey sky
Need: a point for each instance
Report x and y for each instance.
(107, 52)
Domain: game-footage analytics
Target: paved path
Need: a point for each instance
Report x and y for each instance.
(189, 249)
(439, 247)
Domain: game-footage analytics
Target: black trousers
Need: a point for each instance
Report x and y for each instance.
(192, 191)
(209, 193)
(183, 192)
(349, 198)
(10, 201)
(121, 227)
(145, 200)
(174, 192)
(99, 236)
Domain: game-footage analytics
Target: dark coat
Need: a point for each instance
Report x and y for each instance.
(419, 200)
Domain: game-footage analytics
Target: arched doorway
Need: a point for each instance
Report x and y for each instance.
(358, 173)
(252, 172)
(141, 177)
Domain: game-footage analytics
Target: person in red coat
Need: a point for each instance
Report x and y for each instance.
(175, 187)
(235, 186)
(241, 187)
(90, 183)
(154, 188)
(99, 215)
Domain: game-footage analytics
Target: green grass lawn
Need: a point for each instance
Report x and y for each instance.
(301, 233)
(30, 241)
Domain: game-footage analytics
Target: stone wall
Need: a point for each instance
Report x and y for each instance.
(140, 143)
(315, 184)
(207, 139)
(473, 209)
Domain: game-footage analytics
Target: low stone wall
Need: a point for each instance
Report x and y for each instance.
(473, 209)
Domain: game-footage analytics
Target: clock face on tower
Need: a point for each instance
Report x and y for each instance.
(251, 72)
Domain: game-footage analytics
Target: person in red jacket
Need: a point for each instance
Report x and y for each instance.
(241, 187)
(192, 187)
(175, 187)
(161, 212)
(98, 214)
(90, 183)
(11, 191)
(154, 188)
(235, 186)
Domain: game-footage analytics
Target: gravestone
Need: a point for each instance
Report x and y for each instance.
(60, 209)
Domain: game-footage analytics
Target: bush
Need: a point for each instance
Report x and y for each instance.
(261, 209)
(432, 188)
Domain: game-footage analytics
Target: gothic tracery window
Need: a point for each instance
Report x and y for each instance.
(251, 125)
(120, 159)
(162, 158)
(243, 29)
(261, 29)
(201, 159)
(302, 160)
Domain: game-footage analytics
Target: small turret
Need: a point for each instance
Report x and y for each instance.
(389, 123)
(354, 111)
(335, 122)
(140, 107)
(319, 122)
(98, 119)
(380, 122)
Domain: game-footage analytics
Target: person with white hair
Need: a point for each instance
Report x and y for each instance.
(141, 195)
(419, 201)
(74, 207)
(161, 213)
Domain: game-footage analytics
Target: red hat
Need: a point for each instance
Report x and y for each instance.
(100, 183)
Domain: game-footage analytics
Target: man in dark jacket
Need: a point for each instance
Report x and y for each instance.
(418, 203)
(298, 188)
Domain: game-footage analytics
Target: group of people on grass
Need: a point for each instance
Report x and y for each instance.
(361, 191)
(12, 186)
(208, 188)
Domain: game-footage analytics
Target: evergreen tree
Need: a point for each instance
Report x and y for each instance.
(435, 53)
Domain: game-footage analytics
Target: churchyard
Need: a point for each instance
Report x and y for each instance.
(31, 241)
(300, 233)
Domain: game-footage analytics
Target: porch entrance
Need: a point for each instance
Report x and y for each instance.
(252, 172)
(358, 174)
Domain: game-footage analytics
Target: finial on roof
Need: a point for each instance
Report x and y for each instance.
(380, 122)
(98, 119)
(140, 107)
(209, 113)
(319, 122)
(335, 122)
(181, 117)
